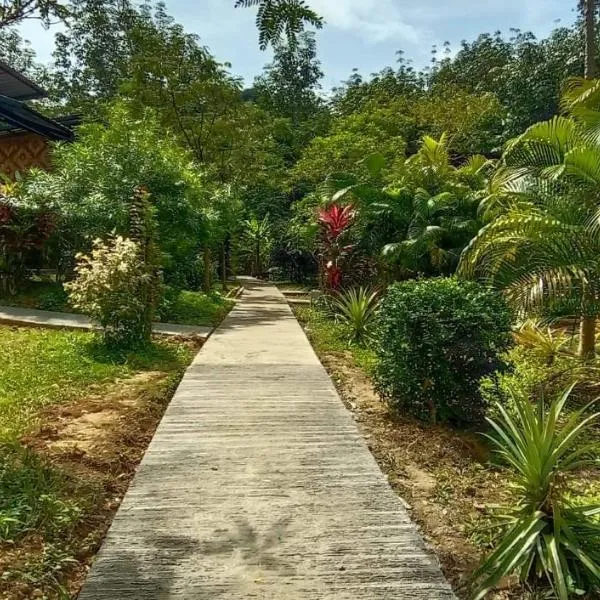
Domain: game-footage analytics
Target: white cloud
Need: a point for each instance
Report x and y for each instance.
(373, 20)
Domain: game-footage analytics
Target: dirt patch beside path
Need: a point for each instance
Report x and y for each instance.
(97, 442)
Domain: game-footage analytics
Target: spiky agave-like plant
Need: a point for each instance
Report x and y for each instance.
(547, 535)
(357, 308)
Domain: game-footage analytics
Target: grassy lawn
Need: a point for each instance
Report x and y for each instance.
(328, 336)
(196, 308)
(184, 308)
(75, 419)
(40, 367)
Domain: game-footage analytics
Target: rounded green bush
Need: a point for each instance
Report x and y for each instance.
(436, 339)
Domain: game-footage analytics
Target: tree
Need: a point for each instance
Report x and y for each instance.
(589, 9)
(541, 243)
(288, 87)
(14, 11)
(18, 53)
(92, 57)
(117, 49)
(92, 180)
(276, 17)
(443, 213)
(258, 236)
(351, 139)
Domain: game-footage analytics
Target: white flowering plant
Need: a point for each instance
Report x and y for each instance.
(111, 287)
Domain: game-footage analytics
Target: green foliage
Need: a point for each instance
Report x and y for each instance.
(13, 12)
(18, 53)
(352, 139)
(444, 202)
(528, 374)
(93, 179)
(32, 496)
(545, 342)
(436, 339)
(546, 534)
(276, 17)
(357, 308)
(113, 286)
(524, 73)
(288, 87)
(540, 243)
(257, 244)
(42, 295)
(25, 228)
(193, 308)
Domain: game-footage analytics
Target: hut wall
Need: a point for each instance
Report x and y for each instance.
(22, 151)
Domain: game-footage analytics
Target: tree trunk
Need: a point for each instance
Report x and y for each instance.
(207, 271)
(587, 337)
(224, 268)
(257, 261)
(589, 17)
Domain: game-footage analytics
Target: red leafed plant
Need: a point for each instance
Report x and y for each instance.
(23, 229)
(335, 221)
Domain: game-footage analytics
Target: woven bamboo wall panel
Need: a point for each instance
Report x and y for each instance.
(20, 152)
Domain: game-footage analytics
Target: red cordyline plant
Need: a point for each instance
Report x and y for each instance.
(335, 221)
(22, 230)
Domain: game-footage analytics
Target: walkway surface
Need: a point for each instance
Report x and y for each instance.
(258, 485)
(59, 320)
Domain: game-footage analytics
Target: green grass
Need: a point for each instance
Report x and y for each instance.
(195, 308)
(41, 367)
(327, 335)
(34, 496)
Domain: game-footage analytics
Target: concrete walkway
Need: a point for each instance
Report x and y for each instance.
(13, 315)
(259, 485)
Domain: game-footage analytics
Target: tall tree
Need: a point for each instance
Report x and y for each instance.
(288, 88)
(93, 56)
(14, 11)
(589, 8)
(18, 53)
(541, 243)
(278, 17)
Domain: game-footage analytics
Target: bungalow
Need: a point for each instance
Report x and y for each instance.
(25, 133)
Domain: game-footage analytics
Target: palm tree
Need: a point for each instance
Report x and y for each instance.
(541, 243)
(276, 17)
(444, 208)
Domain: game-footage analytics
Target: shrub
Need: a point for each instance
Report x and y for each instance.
(357, 308)
(546, 534)
(526, 373)
(25, 229)
(111, 287)
(436, 339)
(91, 181)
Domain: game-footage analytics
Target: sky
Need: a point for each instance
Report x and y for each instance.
(362, 34)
